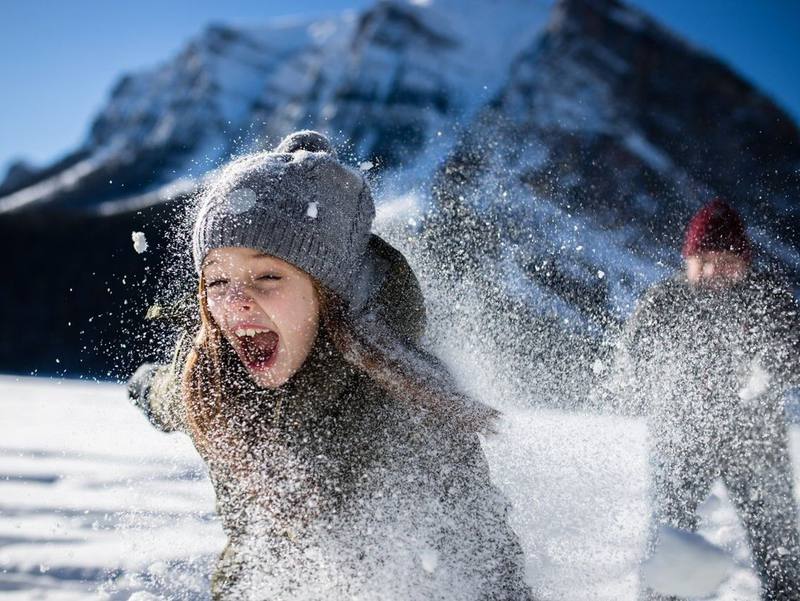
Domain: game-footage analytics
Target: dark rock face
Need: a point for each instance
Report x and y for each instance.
(21, 178)
(389, 112)
(566, 193)
(19, 174)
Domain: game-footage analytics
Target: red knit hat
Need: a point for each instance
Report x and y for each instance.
(717, 227)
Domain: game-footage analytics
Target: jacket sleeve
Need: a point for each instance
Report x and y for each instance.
(153, 390)
(782, 355)
(156, 390)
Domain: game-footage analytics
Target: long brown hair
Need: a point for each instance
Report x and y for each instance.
(214, 382)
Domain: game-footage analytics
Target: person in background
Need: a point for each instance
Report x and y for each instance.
(707, 356)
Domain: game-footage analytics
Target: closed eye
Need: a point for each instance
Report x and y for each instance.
(214, 283)
(268, 277)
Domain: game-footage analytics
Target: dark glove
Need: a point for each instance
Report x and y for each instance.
(155, 389)
(139, 387)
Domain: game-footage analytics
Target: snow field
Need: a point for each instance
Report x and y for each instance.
(91, 496)
(96, 504)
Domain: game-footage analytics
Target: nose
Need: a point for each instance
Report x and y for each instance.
(238, 298)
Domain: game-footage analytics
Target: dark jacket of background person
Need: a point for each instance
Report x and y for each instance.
(352, 488)
(708, 367)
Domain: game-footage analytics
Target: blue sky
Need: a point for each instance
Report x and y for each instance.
(60, 59)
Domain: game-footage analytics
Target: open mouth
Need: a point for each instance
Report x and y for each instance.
(259, 348)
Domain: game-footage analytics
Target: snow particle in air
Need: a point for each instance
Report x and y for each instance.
(757, 383)
(139, 242)
(429, 559)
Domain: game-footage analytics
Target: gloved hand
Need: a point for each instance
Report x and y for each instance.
(139, 387)
(155, 390)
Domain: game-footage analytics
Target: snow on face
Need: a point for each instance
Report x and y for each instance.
(266, 308)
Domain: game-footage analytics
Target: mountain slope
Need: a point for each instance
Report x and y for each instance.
(559, 147)
(385, 81)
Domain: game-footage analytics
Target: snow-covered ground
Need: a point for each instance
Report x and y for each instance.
(95, 504)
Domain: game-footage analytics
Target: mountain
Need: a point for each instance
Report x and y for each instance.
(609, 133)
(570, 192)
(557, 150)
(386, 81)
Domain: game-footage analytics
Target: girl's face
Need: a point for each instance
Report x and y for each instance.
(266, 308)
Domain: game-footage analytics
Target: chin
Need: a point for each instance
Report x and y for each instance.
(268, 381)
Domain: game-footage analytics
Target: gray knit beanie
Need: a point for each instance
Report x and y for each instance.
(298, 203)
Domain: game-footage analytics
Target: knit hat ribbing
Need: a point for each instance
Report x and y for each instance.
(717, 227)
(298, 203)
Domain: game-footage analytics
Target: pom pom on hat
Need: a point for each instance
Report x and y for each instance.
(308, 140)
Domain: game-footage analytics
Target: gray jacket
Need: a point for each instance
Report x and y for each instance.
(705, 365)
(357, 494)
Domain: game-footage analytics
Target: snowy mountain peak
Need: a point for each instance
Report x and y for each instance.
(212, 84)
(386, 80)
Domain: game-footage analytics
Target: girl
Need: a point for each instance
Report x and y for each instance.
(346, 464)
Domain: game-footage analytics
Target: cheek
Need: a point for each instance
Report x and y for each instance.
(216, 307)
(297, 317)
